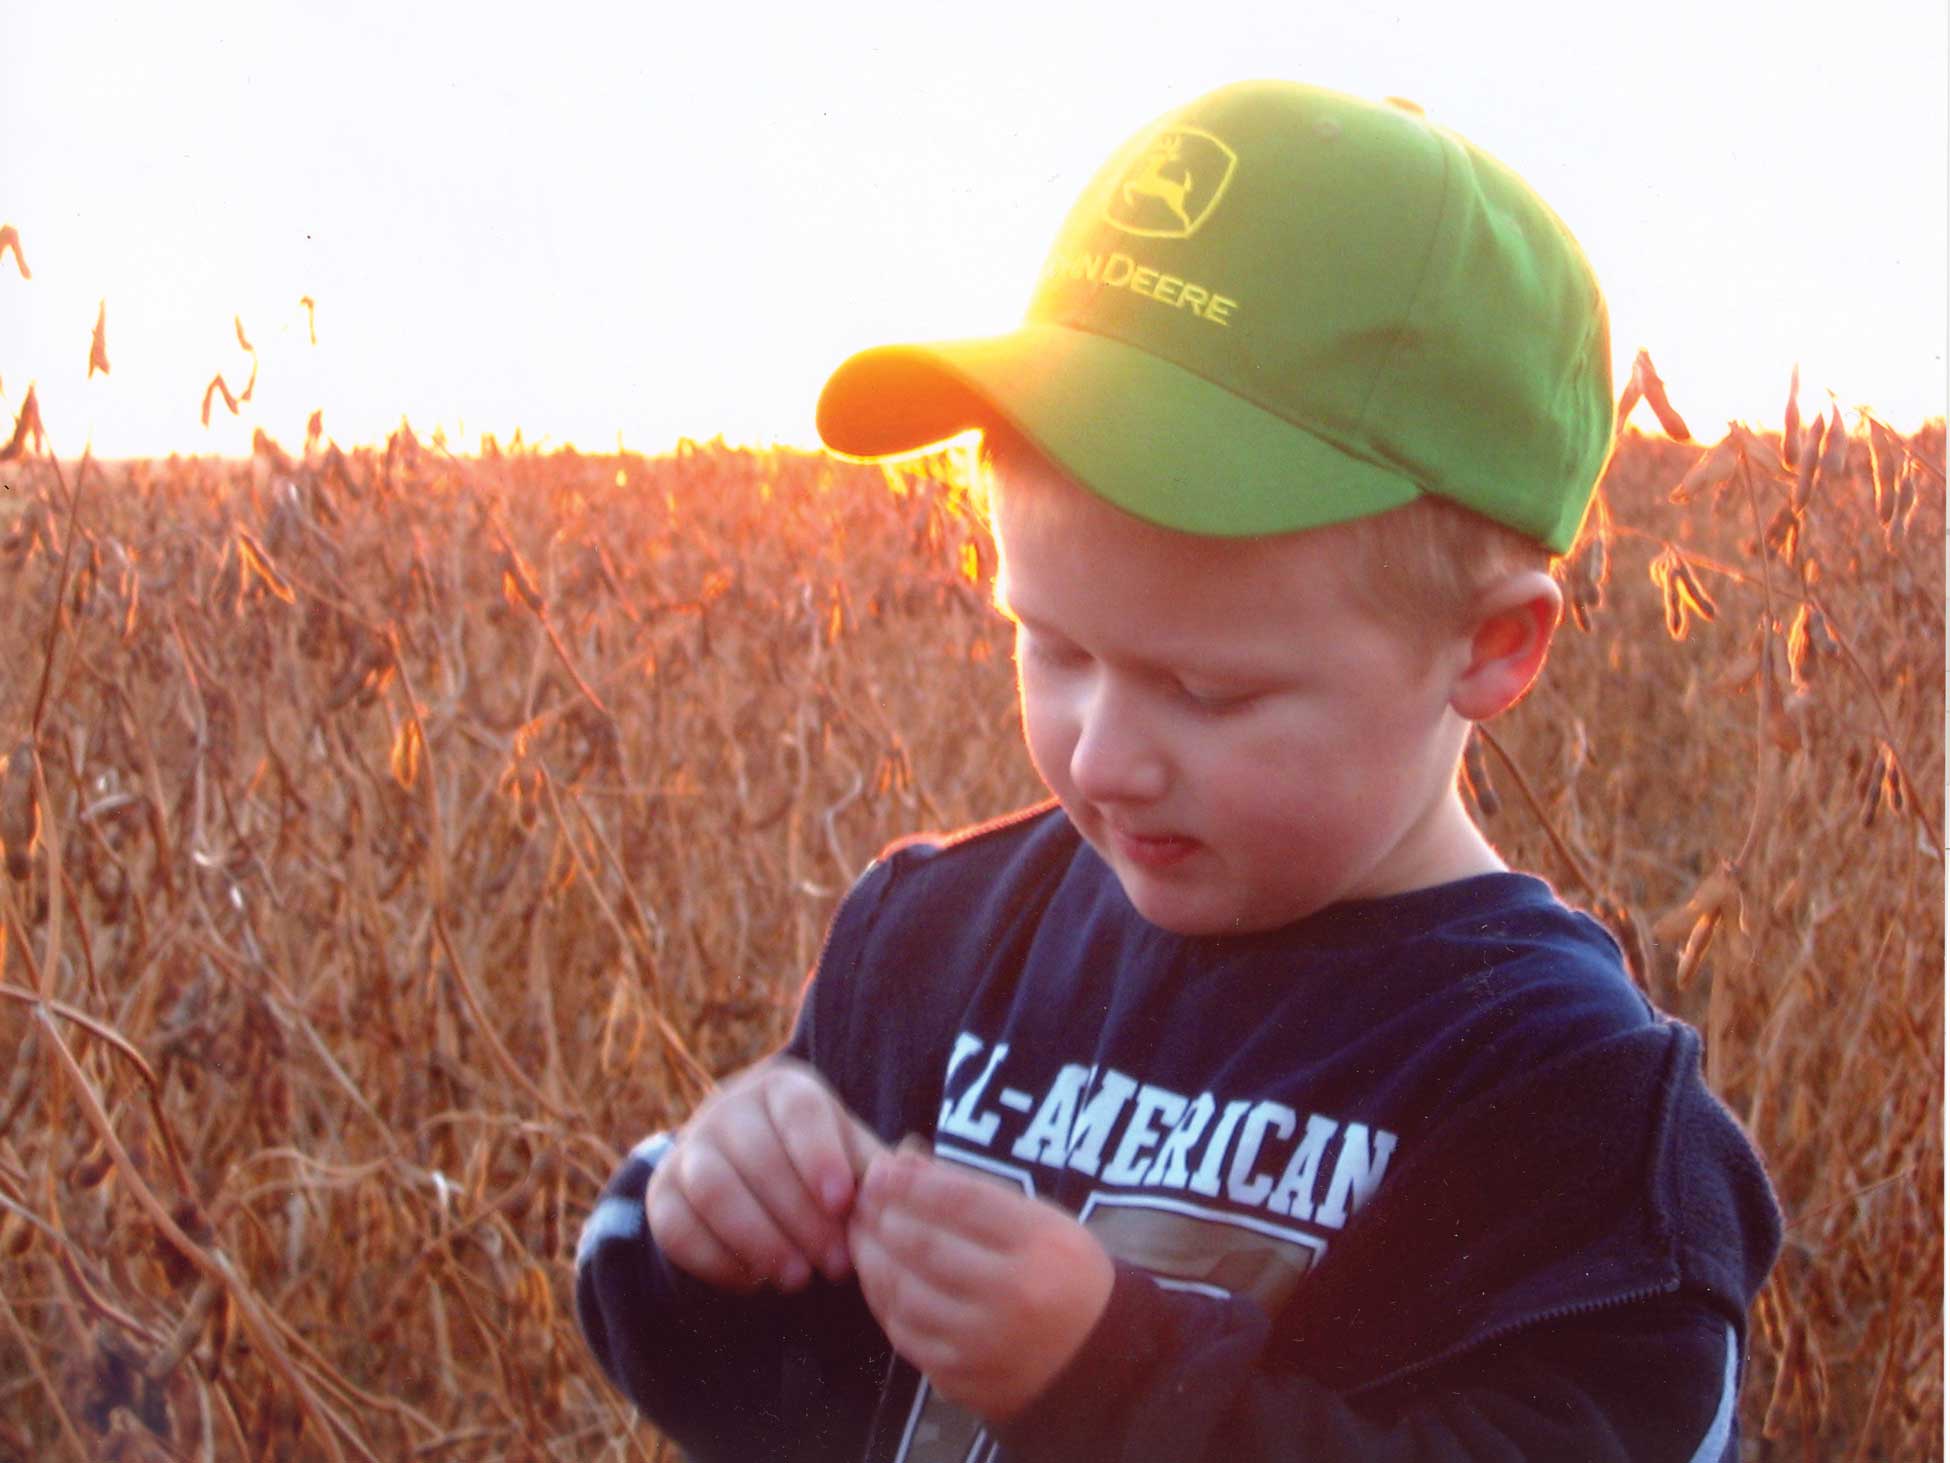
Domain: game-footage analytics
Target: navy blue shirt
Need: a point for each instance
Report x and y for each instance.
(1419, 1176)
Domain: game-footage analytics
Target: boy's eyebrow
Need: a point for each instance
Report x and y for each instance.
(1217, 672)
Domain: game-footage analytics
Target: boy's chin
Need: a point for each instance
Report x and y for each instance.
(1183, 912)
(1186, 891)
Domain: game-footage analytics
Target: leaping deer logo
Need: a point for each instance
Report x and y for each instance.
(1152, 182)
(1173, 186)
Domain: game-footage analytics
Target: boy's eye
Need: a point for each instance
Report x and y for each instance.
(1212, 698)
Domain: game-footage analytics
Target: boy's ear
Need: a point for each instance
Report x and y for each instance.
(1512, 627)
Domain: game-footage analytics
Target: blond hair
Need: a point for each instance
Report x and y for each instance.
(1423, 565)
(1430, 561)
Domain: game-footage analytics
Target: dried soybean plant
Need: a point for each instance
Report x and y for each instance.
(401, 835)
(398, 833)
(1757, 813)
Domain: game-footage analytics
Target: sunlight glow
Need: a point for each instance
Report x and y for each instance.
(640, 225)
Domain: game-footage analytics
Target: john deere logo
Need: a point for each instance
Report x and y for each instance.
(1173, 186)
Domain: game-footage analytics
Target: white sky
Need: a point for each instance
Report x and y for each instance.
(673, 221)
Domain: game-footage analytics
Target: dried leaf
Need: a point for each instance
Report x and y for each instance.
(27, 428)
(1834, 456)
(1694, 593)
(1590, 569)
(1892, 784)
(1713, 468)
(20, 815)
(1758, 451)
(407, 751)
(1905, 499)
(1675, 612)
(1697, 944)
(258, 562)
(1801, 645)
(1791, 422)
(518, 583)
(98, 347)
(1822, 638)
(1785, 715)
(1804, 477)
(1648, 382)
(1872, 788)
(1783, 534)
(1682, 592)
(217, 384)
(1660, 569)
(1627, 401)
(1872, 803)
(1887, 459)
(16, 1234)
(619, 1004)
(1716, 899)
(1717, 893)
(1476, 773)
(92, 1167)
(10, 239)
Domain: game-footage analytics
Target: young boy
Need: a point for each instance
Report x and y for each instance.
(1267, 1114)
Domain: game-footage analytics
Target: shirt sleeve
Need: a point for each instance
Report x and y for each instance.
(1177, 1377)
(733, 1378)
(729, 1378)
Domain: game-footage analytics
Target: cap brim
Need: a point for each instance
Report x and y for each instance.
(1149, 436)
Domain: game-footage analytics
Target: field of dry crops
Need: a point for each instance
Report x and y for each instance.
(393, 839)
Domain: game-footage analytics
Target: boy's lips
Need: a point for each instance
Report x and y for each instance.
(1152, 850)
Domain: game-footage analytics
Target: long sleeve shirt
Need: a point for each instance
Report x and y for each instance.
(1419, 1177)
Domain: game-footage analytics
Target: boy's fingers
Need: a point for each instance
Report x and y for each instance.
(863, 1146)
(756, 1143)
(718, 1192)
(812, 1126)
(916, 1311)
(874, 1267)
(948, 1259)
(688, 1244)
(948, 1197)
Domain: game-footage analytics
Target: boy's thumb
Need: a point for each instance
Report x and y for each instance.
(863, 1145)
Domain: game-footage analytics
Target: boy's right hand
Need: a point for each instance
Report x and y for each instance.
(761, 1181)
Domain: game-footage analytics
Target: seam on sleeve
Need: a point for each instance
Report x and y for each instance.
(615, 1218)
(1719, 1432)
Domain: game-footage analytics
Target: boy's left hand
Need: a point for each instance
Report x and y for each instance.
(986, 1291)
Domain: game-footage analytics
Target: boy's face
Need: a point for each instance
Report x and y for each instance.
(1238, 738)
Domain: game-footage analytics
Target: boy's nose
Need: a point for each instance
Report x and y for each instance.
(1115, 760)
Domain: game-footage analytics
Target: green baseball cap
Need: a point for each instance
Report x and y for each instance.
(1276, 308)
